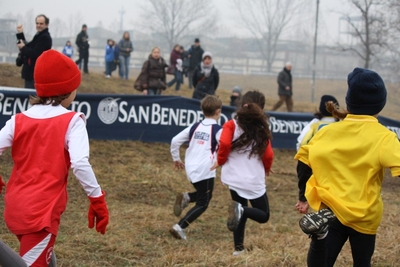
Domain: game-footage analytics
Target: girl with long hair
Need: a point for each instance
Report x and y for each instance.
(245, 154)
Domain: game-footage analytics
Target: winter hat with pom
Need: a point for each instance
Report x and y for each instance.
(55, 74)
(366, 94)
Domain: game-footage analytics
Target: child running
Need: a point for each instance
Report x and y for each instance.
(199, 158)
(46, 140)
(246, 156)
(348, 159)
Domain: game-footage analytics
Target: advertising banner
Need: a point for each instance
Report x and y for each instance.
(155, 118)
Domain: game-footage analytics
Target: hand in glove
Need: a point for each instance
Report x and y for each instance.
(98, 213)
(1, 184)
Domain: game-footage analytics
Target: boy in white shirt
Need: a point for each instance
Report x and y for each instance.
(199, 158)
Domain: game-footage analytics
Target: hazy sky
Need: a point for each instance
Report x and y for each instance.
(107, 11)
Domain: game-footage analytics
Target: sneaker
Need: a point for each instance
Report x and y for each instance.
(235, 213)
(177, 232)
(238, 252)
(181, 202)
(316, 223)
(324, 232)
(108, 76)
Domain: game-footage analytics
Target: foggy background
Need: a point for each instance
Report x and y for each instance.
(245, 36)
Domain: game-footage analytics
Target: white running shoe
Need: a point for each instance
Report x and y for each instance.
(177, 232)
(238, 252)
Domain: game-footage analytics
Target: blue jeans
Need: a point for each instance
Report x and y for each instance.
(109, 66)
(178, 79)
(152, 91)
(124, 66)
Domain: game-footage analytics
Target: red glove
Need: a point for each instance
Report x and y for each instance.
(1, 184)
(98, 211)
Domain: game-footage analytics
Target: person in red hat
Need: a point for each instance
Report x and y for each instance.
(46, 140)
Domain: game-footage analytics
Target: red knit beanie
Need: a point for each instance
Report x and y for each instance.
(55, 74)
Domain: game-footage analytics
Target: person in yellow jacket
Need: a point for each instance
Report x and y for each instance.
(348, 159)
(315, 256)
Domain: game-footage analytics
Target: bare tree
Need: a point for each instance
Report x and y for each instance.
(175, 19)
(58, 27)
(267, 20)
(369, 30)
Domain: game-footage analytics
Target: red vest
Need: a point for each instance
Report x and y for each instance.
(36, 193)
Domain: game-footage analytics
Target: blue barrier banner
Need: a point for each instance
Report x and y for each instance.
(155, 118)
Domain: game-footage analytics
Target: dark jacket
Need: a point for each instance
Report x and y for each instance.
(153, 74)
(82, 41)
(173, 57)
(196, 56)
(31, 51)
(285, 79)
(123, 45)
(204, 86)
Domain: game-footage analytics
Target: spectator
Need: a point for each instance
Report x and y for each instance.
(185, 62)
(68, 50)
(285, 88)
(236, 96)
(82, 41)
(109, 57)
(175, 55)
(205, 78)
(195, 58)
(30, 51)
(125, 48)
(152, 78)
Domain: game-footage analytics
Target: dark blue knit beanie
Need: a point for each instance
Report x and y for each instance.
(322, 106)
(366, 94)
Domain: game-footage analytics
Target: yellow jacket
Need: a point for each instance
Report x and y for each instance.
(348, 159)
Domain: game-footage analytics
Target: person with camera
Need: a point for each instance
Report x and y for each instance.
(82, 41)
(30, 51)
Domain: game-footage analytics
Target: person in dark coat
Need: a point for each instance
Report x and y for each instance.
(152, 78)
(82, 41)
(29, 52)
(195, 58)
(185, 62)
(205, 78)
(285, 88)
(236, 96)
(175, 55)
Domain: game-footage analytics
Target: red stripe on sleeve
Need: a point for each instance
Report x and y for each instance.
(225, 142)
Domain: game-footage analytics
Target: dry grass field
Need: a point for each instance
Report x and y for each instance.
(141, 185)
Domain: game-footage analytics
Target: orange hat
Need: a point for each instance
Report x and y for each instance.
(55, 74)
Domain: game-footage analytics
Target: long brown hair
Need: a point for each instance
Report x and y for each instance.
(251, 119)
(336, 112)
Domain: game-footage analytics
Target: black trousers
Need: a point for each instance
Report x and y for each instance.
(30, 84)
(259, 213)
(202, 197)
(83, 56)
(325, 252)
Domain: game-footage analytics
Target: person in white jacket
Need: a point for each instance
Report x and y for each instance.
(246, 156)
(199, 158)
